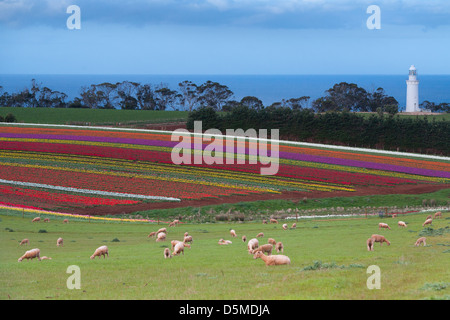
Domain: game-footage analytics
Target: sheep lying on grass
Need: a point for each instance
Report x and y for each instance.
(265, 248)
(46, 258)
(224, 242)
(31, 254)
(101, 251)
(273, 260)
(421, 240)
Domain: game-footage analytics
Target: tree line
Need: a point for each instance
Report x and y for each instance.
(189, 96)
(375, 131)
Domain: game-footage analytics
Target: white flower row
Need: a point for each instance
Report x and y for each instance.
(87, 191)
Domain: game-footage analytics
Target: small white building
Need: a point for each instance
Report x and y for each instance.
(412, 91)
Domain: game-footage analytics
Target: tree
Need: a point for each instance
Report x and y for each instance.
(107, 92)
(347, 95)
(189, 95)
(145, 97)
(127, 92)
(252, 102)
(90, 97)
(214, 95)
(166, 98)
(379, 99)
(296, 103)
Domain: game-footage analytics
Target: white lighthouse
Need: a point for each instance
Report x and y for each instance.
(412, 91)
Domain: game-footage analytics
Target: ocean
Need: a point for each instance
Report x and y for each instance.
(268, 88)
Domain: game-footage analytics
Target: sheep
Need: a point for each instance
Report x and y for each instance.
(167, 253)
(252, 244)
(162, 230)
(37, 219)
(59, 242)
(101, 251)
(188, 239)
(176, 221)
(46, 258)
(279, 246)
(438, 214)
(244, 238)
(370, 242)
(294, 225)
(428, 221)
(394, 215)
(421, 240)
(273, 221)
(224, 242)
(161, 237)
(429, 217)
(273, 260)
(46, 220)
(402, 224)
(179, 248)
(151, 234)
(25, 241)
(380, 239)
(264, 248)
(172, 224)
(233, 233)
(260, 235)
(272, 241)
(31, 254)
(173, 243)
(264, 221)
(186, 234)
(66, 221)
(383, 225)
(284, 226)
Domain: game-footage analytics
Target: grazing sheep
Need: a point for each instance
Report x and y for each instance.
(172, 224)
(179, 248)
(167, 253)
(294, 225)
(272, 241)
(284, 226)
(279, 246)
(244, 238)
(380, 239)
(151, 234)
(394, 215)
(46, 258)
(429, 217)
(421, 240)
(176, 221)
(25, 241)
(101, 251)
(37, 219)
(161, 237)
(59, 242)
(438, 214)
(370, 243)
(173, 243)
(162, 230)
(233, 233)
(222, 242)
(428, 221)
(188, 239)
(264, 248)
(31, 254)
(260, 235)
(383, 225)
(66, 221)
(273, 260)
(273, 221)
(186, 234)
(46, 220)
(402, 224)
(252, 245)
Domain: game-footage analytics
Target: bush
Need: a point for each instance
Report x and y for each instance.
(10, 118)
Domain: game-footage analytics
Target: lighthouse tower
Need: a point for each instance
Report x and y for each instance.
(412, 91)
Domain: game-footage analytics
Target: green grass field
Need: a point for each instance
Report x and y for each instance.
(329, 260)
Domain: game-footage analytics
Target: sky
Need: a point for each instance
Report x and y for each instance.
(224, 37)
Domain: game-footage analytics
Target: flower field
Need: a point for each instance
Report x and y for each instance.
(88, 170)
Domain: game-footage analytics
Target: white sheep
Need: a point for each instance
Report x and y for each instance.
(421, 240)
(265, 248)
(179, 248)
(244, 238)
(252, 245)
(233, 233)
(260, 235)
(284, 226)
(294, 225)
(25, 241)
(188, 239)
(37, 219)
(162, 230)
(438, 214)
(279, 247)
(272, 241)
(101, 251)
(383, 225)
(167, 253)
(273, 260)
(31, 254)
(402, 224)
(59, 242)
(161, 237)
(46, 258)
(151, 234)
(273, 221)
(224, 242)
(428, 221)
